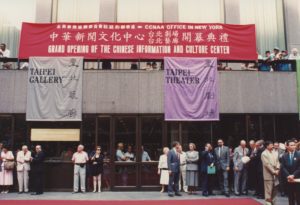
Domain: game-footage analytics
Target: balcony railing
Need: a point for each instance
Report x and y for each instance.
(98, 64)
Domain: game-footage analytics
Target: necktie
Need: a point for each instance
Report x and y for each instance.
(291, 158)
(243, 151)
(220, 151)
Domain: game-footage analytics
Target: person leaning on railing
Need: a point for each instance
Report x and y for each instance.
(5, 53)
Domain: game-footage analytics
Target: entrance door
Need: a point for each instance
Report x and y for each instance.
(132, 146)
(125, 169)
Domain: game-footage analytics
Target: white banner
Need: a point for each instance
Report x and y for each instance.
(54, 91)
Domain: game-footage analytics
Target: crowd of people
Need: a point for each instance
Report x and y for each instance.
(273, 61)
(262, 166)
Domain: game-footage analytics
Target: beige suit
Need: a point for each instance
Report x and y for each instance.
(23, 168)
(270, 166)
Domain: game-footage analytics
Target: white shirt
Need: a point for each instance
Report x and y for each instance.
(5, 53)
(130, 156)
(294, 57)
(80, 157)
(182, 158)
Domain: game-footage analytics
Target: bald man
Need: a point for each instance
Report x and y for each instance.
(80, 158)
(240, 169)
(23, 168)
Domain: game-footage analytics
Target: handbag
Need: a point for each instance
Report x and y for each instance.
(9, 165)
(211, 170)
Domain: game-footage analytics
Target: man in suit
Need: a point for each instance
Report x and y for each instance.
(252, 184)
(23, 168)
(259, 169)
(37, 161)
(240, 169)
(291, 170)
(271, 168)
(222, 164)
(174, 169)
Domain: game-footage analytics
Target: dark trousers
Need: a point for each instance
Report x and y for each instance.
(38, 182)
(223, 180)
(207, 183)
(173, 183)
(293, 193)
(260, 189)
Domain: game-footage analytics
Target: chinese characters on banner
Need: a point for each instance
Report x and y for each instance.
(191, 89)
(54, 91)
(138, 40)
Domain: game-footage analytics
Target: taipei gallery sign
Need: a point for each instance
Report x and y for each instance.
(54, 89)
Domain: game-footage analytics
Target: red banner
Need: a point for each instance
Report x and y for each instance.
(138, 40)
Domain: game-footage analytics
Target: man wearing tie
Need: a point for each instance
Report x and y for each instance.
(174, 169)
(23, 167)
(240, 169)
(222, 164)
(291, 170)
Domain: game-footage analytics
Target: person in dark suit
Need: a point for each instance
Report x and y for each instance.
(222, 164)
(252, 183)
(37, 162)
(290, 166)
(174, 169)
(260, 190)
(207, 159)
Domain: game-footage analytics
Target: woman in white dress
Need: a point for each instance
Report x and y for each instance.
(163, 169)
(6, 176)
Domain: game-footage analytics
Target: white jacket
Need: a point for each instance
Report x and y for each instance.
(23, 163)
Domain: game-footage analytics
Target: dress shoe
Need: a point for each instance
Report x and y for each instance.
(245, 193)
(170, 195)
(20, 192)
(227, 194)
(178, 194)
(75, 192)
(36, 193)
(205, 194)
(237, 194)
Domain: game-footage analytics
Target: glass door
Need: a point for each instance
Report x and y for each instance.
(150, 150)
(125, 173)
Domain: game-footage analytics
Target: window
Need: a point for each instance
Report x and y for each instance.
(152, 135)
(268, 18)
(20, 132)
(267, 127)
(253, 127)
(198, 133)
(125, 138)
(77, 11)
(231, 128)
(287, 127)
(88, 132)
(13, 13)
(201, 11)
(5, 130)
(140, 11)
